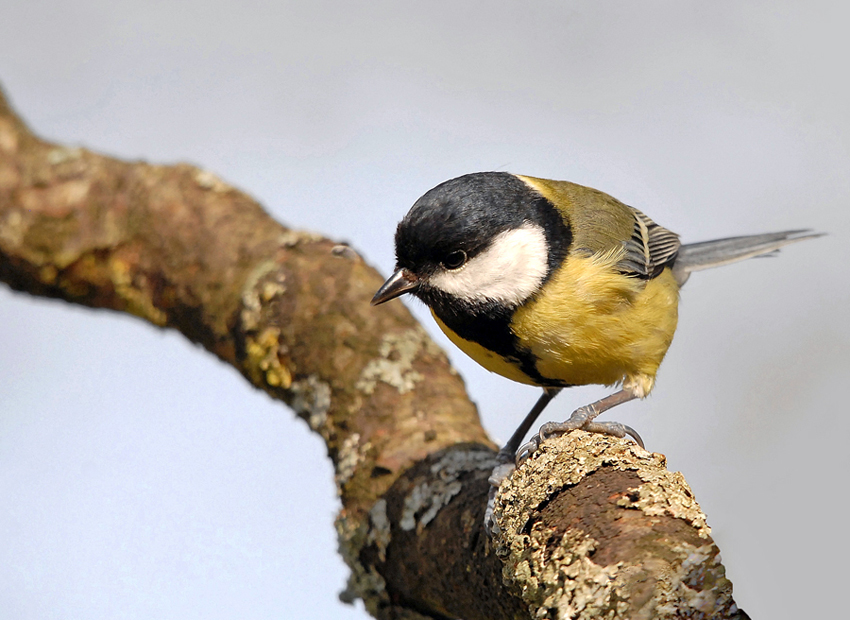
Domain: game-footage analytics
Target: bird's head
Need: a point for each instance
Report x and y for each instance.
(476, 241)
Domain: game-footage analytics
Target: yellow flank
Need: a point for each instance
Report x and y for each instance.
(591, 324)
(489, 360)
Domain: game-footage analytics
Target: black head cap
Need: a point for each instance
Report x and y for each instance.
(467, 213)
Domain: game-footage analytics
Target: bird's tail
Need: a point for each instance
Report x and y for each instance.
(706, 254)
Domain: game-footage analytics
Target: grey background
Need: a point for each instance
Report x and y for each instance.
(140, 478)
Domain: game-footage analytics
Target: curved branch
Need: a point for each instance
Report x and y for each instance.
(180, 248)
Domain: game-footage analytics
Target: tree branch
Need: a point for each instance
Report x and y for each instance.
(590, 527)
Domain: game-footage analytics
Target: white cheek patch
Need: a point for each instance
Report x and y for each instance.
(508, 272)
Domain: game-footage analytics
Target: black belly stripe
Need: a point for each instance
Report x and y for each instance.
(490, 327)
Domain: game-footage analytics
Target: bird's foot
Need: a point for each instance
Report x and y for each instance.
(582, 418)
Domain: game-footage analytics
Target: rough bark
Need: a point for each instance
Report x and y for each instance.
(591, 527)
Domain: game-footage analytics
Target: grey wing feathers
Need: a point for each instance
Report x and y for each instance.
(650, 249)
(706, 254)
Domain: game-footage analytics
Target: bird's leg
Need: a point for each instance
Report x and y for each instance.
(582, 418)
(506, 458)
(508, 452)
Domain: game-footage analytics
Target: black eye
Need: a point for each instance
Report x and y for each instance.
(455, 260)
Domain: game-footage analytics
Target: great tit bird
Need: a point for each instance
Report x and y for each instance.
(553, 284)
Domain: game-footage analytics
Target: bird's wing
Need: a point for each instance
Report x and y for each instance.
(650, 248)
(602, 225)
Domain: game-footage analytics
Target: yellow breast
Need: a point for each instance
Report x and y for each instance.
(592, 325)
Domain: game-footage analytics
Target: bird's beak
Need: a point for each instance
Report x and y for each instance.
(401, 282)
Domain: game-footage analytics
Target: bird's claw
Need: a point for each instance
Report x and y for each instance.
(634, 435)
(527, 449)
(615, 429)
(581, 418)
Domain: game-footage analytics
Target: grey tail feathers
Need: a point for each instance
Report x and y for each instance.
(706, 254)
